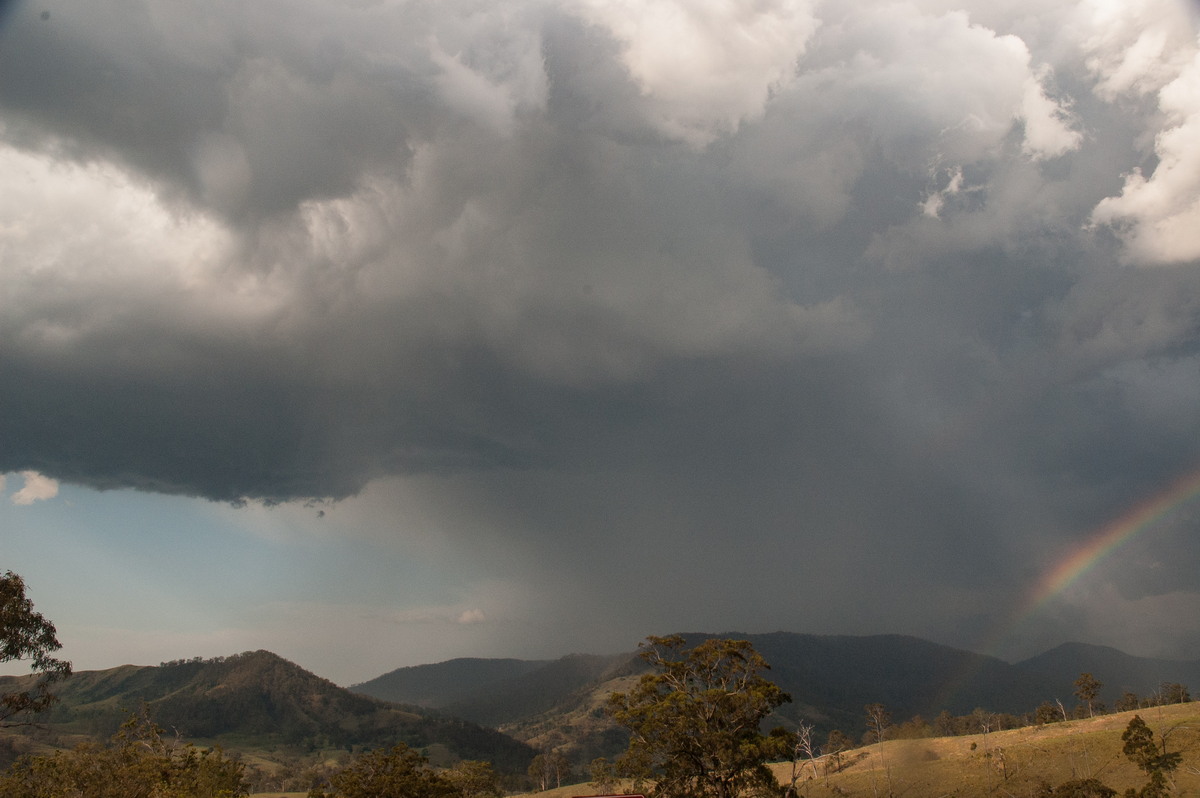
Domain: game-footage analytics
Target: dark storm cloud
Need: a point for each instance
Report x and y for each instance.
(877, 283)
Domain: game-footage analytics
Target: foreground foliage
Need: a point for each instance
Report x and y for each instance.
(27, 635)
(694, 720)
(1157, 763)
(386, 772)
(137, 763)
(400, 772)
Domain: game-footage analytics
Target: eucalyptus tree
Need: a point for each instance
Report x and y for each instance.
(695, 720)
(27, 635)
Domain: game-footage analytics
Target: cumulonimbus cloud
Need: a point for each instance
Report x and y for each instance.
(254, 261)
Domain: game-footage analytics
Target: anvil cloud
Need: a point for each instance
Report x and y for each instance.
(825, 316)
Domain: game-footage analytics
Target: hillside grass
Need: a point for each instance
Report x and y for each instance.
(1013, 763)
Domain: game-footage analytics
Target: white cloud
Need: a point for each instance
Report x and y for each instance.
(941, 79)
(472, 616)
(933, 204)
(1133, 48)
(1049, 129)
(707, 65)
(318, 634)
(37, 488)
(493, 73)
(82, 245)
(1158, 216)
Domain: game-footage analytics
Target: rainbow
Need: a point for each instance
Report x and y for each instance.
(1108, 539)
(1071, 568)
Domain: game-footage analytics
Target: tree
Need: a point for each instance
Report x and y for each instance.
(387, 772)
(1048, 713)
(798, 746)
(27, 635)
(1128, 701)
(1143, 751)
(473, 779)
(945, 724)
(1087, 687)
(878, 720)
(836, 744)
(552, 765)
(694, 720)
(1079, 788)
(603, 775)
(137, 763)
(914, 728)
(1173, 693)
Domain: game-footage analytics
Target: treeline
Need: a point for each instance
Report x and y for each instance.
(140, 761)
(981, 721)
(143, 761)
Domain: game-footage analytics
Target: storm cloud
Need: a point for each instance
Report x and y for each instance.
(853, 299)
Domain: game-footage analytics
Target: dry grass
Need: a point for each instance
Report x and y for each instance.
(1010, 763)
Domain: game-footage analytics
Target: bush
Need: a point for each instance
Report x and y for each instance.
(136, 763)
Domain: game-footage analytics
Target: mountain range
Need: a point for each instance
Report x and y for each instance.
(558, 703)
(504, 710)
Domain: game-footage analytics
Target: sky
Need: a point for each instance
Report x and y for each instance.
(376, 333)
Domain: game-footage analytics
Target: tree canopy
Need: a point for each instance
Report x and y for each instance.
(694, 721)
(137, 763)
(27, 635)
(385, 772)
(1142, 750)
(1087, 687)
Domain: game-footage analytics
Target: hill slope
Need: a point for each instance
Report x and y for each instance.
(1016, 762)
(446, 682)
(1117, 671)
(513, 691)
(259, 700)
(830, 678)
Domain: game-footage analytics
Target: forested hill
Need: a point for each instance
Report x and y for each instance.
(497, 692)
(444, 683)
(258, 699)
(830, 678)
(1117, 671)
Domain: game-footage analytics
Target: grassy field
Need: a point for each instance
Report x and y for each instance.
(1012, 764)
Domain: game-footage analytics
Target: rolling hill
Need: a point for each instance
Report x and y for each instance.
(260, 701)
(1119, 672)
(559, 704)
(830, 679)
(1016, 762)
(515, 690)
(446, 683)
